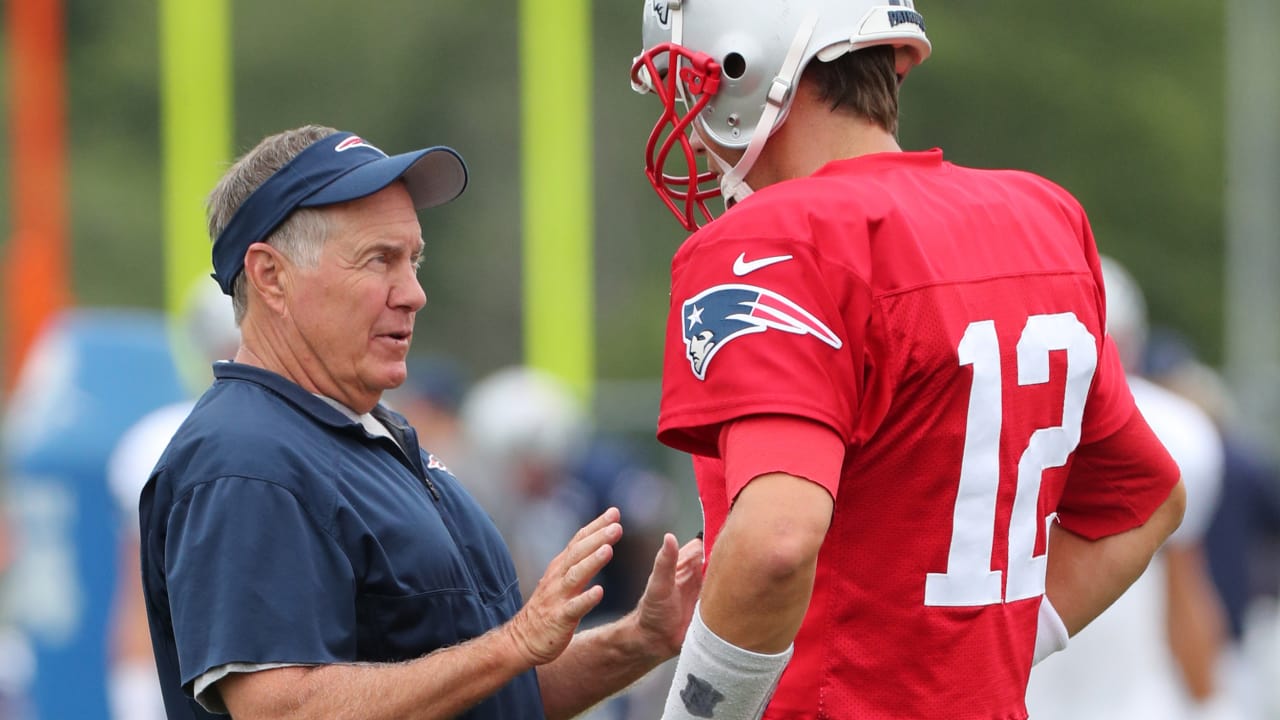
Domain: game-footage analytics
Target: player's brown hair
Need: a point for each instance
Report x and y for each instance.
(864, 82)
(301, 235)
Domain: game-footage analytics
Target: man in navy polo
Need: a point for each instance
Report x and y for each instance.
(301, 554)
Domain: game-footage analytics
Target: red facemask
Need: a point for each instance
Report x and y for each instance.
(686, 194)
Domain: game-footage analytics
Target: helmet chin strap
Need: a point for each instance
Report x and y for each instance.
(677, 21)
(733, 178)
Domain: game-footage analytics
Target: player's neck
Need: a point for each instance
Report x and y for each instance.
(813, 136)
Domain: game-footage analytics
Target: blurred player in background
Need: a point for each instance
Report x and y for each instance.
(1158, 651)
(92, 374)
(133, 688)
(891, 371)
(536, 462)
(430, 399)
(1243, 540)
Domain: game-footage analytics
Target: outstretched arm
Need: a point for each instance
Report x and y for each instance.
(448, 681)
(602, 661)
(781, 473)
(761, 577)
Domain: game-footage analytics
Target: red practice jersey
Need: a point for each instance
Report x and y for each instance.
(948, 323)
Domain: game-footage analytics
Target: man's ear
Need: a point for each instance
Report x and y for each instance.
(268, 274)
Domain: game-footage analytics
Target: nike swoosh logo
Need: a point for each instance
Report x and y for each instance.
(743, 266)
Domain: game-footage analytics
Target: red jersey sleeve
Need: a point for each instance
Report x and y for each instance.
(764, 444)
(1116, 483)
(756, 327)
(1110, 402)
(1121, 472)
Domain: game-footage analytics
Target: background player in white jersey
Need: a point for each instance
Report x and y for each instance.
(1157, 651)
(208, 333)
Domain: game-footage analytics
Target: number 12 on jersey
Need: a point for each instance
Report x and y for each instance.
(969, 579)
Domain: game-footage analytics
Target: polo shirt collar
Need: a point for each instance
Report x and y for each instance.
(294, 393)
(401, 434)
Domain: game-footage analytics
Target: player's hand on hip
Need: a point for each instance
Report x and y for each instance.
(545, 625)
(665, 609)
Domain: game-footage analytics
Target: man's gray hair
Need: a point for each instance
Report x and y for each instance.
(301, 236)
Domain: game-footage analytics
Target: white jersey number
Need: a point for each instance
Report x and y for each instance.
(969, 579)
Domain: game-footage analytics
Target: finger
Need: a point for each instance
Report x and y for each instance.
(691, 562)
(668, 554)
(608, 517)
(581, 572)
(689, 576)
(662, 578)
(578, 606)
(693, 549)
(692, 554)
(580, 548)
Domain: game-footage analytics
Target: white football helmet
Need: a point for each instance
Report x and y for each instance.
(1126, 312)
(520, 413)
(731, 66)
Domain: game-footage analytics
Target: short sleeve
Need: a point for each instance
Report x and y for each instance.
(763, 444)
(759, 326)
(252, 577)
(1116, 483)
(1110, 403)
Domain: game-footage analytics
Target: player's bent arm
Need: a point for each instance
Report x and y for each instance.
(446, 682)
(757, 590)
(760, 576)
(781, 473)
(1085, 577)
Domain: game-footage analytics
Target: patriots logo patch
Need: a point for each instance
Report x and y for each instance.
(719, 314)
(434, 463)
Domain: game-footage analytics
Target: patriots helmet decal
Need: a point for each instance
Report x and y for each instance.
(721, 313)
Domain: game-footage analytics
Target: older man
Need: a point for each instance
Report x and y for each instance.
(302, 555)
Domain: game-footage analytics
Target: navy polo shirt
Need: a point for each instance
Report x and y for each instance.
(276, 530)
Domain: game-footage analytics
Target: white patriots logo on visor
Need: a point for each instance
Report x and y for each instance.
(719, 314)
(354, 142)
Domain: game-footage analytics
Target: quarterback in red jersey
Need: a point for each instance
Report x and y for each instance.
(909, 428)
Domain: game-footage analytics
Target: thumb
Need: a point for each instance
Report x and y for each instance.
(664, 565)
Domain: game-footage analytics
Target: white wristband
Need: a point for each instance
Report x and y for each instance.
(716, 679)
(1051, 633)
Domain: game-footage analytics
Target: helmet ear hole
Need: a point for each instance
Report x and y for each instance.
(734, 65)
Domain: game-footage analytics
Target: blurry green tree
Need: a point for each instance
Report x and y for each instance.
(1120, 103)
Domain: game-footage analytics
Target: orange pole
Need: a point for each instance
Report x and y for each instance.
(36, 279)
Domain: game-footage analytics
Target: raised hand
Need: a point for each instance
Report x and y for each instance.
(665, 609)
(545, 625)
